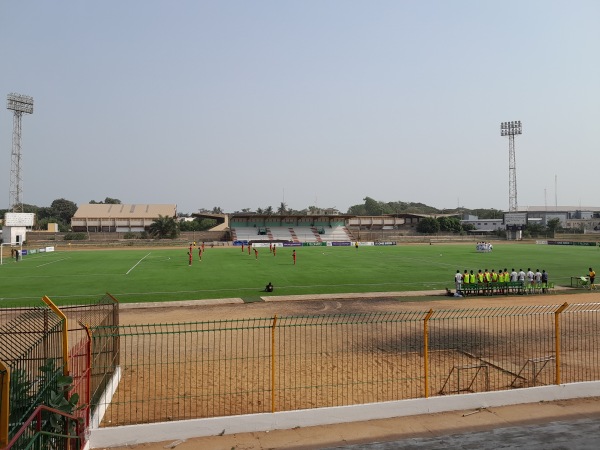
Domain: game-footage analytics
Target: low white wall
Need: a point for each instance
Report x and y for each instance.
(185, 429)
(106, 398)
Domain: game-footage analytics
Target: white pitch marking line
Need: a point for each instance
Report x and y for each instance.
(136, 264)
(52, 262)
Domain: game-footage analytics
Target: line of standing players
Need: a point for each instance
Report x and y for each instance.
(490, 282)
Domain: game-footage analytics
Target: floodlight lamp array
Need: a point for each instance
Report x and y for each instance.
(19, 103)
(511, 128)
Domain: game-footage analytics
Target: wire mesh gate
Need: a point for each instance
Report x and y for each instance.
(35, 351)
(209, 369)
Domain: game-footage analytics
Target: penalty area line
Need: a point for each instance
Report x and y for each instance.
(135, 265)
(52, 262)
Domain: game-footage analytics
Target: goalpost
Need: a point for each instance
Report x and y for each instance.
(12, 244)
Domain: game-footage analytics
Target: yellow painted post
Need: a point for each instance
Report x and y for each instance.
(4, 403)
(426, 350)
(557, 339)
(273, 363)
(65, 335)
(112, 298)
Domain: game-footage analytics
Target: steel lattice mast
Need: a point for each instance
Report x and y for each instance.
(511, 129)
(20, 104)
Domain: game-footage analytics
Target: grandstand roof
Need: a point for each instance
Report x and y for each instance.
(295, 216)
(115, 211)
(434, 215)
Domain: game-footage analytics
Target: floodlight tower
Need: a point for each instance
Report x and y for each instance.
(511, 129)
(20, 104)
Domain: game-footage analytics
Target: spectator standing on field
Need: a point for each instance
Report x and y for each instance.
(544, 281)
(538, 277)
(458, 281)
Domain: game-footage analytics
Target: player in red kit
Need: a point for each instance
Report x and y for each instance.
(294, 256)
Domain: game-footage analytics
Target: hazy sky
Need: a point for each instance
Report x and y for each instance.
(244, 104)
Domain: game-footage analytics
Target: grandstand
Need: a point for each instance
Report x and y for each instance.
(314, 229)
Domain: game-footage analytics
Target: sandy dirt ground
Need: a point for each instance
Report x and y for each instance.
(319, 305)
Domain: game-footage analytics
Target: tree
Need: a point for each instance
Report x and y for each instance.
(450, 224)
(282, 209)
(428, 225)
(107, 201)
(553, 225)
(63, 209)
(269, 211)
(217, 210)
(535, 229)
(373, 207)
(357, 210)
(164, 228)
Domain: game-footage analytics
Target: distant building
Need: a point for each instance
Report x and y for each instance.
(586, 218)
(483, 225)
(110, 217)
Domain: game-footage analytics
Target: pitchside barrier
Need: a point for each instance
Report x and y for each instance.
(40, 346)
(209, 369)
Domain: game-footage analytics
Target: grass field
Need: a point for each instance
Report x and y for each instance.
(152, 275)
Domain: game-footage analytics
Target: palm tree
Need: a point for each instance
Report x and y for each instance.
(269, 211)
(164, 228)
(282, 209)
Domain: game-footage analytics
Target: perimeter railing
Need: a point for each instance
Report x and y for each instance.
(176, 371)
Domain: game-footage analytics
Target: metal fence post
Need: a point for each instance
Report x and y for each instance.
(4, 403)
(557, 338)
(65, 333)
(426, 350)
(273, 363)
(88, 376)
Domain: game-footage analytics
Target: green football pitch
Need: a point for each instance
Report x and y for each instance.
(156, 275)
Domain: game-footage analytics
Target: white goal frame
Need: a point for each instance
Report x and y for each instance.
(12, 244)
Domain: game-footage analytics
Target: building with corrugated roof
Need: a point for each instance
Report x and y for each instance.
(108, 217)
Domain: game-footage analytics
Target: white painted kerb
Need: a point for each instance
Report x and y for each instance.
(185, 429)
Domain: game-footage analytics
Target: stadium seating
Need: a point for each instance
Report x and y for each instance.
(297, 234)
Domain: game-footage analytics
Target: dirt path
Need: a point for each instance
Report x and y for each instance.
(206, 310)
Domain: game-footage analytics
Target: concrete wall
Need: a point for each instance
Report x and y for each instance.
(164, 431)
